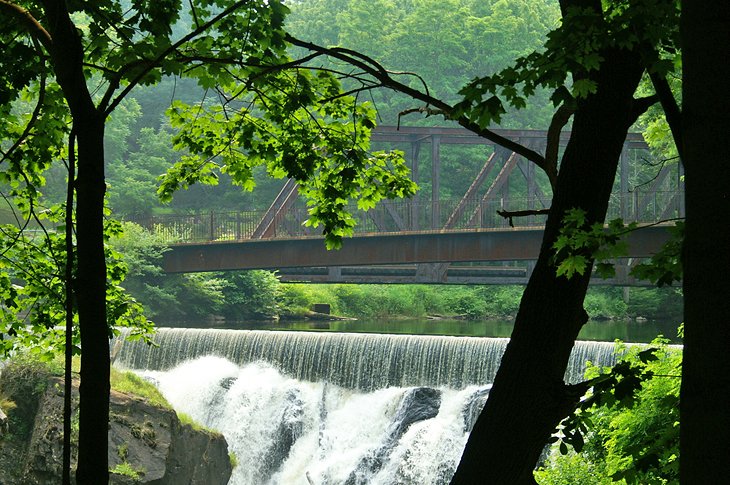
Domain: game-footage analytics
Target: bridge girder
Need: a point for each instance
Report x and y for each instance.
(392, 251)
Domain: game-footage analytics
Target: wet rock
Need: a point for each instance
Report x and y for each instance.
(474, 407)
(290, 428)
(416, 405)
(146, 442)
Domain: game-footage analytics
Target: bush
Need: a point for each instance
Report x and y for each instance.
(571, 469)
(605, 303)
(627, 428)
(656, 303)
(250, 295)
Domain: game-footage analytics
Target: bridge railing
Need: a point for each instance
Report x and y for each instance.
(402, 216)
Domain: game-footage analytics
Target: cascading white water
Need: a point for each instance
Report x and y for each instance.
(330, 409)
(287, 431)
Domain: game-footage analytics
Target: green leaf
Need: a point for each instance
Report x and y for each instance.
(583, 87)
(563, 448)
(571, 265)
(605, 270)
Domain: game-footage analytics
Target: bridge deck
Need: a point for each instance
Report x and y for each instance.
(518, 244)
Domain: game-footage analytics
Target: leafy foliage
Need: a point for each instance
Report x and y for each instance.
(297, 124)
(250, 295)
(579, 244)
(629, 422)
(461, 38)
(665, 267)
(168, 298)
(576, 47)
(32, 289)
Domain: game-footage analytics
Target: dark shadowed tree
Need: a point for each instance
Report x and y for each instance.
(529, 397)
(705, 125)
(606, 47)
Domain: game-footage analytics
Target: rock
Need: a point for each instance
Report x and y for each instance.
(146, 442)
(416, 405)
(153, 440)
(474, 407)
(290, 428)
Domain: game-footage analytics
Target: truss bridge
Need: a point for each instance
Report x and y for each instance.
(449, 233)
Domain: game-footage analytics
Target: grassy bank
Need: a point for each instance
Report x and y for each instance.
(471, 302)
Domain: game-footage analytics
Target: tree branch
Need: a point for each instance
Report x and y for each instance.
(671, 109)
(68, 307)
(156, 61)
(33, 117)
(377, 71)
(422, 109)
(640, 106)
(560, 119)
(31, 23)
(532, 212)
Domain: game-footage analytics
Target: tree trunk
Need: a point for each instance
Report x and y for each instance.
(91, 296)
(90, 284)
(529, 398)
(705, 393)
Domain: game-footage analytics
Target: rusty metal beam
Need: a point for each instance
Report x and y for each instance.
(471, 191)
(455, 275)
(461, 136)
(286, 197)
(439, 247)
(498, 183)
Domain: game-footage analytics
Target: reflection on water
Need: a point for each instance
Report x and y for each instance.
(628, 331)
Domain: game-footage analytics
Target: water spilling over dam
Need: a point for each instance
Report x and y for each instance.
(331, 408)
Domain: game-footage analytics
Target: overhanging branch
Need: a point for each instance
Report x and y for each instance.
(152, 64)
(671, 109)
(532, 212)
(33, 117)
(30, 23)
(560, 119)
(384, 77)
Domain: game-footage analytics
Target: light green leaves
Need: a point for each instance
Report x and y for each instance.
(297, 124)
(627, 423)
(579, 244)
(32, 289)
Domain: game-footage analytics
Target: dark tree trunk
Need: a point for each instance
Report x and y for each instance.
(529, 397)
(705, 393)
(90, 285)
(91, 296)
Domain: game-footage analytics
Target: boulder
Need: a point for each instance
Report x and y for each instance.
(417, 404)
(147, 443)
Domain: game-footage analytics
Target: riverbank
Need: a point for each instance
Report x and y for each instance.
(392, 302)
(148, 441)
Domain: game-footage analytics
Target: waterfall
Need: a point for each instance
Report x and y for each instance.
(302, 408)
(356, 361)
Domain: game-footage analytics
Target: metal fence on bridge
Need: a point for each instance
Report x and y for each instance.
(401, 216)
